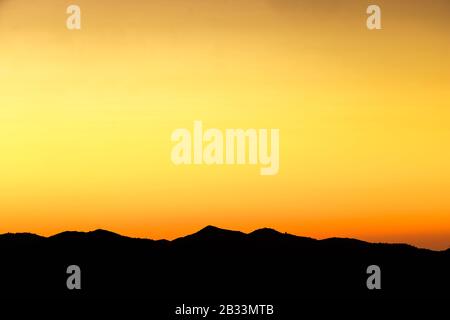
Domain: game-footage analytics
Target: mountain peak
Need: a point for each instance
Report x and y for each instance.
(20, 236)
(210, 229)
(213, 233)
(266, 232)
(96, 234)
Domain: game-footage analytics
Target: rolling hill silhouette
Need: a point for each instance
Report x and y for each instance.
(217, 264)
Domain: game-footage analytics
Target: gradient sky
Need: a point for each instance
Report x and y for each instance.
(364, 117)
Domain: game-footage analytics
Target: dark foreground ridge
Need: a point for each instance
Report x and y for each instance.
(217, 264)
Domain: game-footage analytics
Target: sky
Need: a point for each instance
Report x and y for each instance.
(86, 117)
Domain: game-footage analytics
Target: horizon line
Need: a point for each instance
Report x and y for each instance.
(215, 228)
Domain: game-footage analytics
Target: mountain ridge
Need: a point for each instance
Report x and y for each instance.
(209, 232)
(217, 263)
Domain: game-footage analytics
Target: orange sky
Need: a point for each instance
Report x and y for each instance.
(86, 117)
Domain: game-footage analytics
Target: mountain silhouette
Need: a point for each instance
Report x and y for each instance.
(215, 263)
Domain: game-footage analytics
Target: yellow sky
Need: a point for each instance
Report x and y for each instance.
(86, 117)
